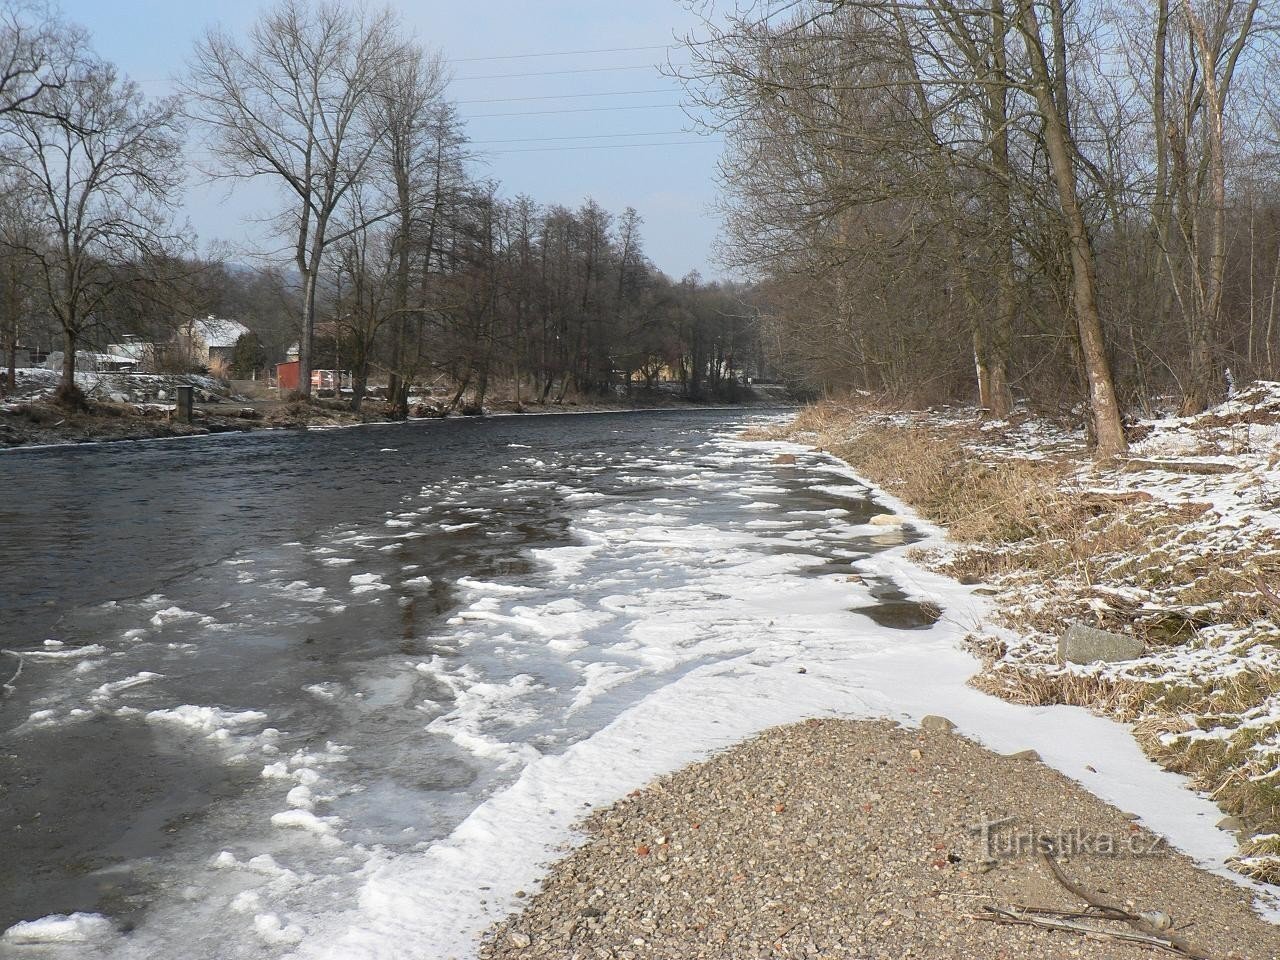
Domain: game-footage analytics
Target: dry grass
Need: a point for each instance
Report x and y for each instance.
(1058, 553)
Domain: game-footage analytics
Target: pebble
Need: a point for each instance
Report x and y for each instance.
(936, 724)
(866, 860)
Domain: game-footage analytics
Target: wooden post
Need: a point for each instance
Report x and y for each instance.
(186, 403)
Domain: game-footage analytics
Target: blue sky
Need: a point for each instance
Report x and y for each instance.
(672, 186)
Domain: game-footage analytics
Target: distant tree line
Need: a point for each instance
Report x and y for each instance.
(1070, 201)
(404, 266)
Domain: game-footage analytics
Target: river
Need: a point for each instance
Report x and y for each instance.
(258, 669)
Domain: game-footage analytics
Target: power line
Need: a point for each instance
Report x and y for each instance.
(557, 73)
(534, 113)
(570, 96)
(587, 136)
(605, 146)
(559, 53)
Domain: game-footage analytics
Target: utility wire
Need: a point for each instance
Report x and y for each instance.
(570, 96)
(557, 73)
(559, 53)
(587, 136)
(605, 146)
(533, 113)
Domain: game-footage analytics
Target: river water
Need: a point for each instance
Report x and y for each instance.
(256, 670)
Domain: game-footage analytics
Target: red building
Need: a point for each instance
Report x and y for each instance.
(287, 375)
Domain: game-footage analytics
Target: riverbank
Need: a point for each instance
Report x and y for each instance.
(862, 838)
(41, 422)
(491, 627)
(1176, 545)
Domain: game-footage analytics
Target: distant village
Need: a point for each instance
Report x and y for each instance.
(216, 347)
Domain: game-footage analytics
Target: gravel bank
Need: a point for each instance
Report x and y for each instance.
(852, 839)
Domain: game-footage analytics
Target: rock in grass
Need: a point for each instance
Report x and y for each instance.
(936, 724)
(1081, 644)
(1234, 824)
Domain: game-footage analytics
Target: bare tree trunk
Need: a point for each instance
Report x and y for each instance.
(398, 386)
(457, 397)
(1271, 315)
(308, 331)
(13, 308)
(1104, 406)
(70, 341)
(1001, 400)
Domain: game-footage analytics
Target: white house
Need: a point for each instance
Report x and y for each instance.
(210, 342)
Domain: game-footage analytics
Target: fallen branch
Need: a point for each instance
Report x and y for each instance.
(1001, 915)
(1266, 591)
(1154, 926)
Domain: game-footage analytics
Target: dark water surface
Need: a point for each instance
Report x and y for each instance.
(203, 625)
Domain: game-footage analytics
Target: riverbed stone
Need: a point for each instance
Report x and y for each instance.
(886, 520)
(1081, 644)
(936, 724)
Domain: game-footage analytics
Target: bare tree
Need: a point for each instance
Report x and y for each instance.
(1049, 85)
(100, 182)
(290, 104)
(405, 111)
(39, 52)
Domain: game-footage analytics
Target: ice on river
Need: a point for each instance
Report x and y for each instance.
(652, 617)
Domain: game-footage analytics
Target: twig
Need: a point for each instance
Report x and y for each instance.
(1091, 913)
(1140, 923)
(1000, 915)
(1267, 591)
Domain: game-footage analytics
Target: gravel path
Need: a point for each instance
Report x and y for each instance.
(851, 839)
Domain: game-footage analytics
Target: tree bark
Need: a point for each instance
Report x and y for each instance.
(1103, 404)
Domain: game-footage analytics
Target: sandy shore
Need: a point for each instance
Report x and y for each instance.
(859, 839)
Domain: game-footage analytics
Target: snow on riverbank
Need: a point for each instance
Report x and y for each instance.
(434, 904)
(659, 621)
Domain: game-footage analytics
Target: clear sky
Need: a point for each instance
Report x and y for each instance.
(670, 185)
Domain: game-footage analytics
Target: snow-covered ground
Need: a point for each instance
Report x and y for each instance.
(35, 383)
(693, 596)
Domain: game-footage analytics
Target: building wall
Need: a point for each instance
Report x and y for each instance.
(287, 375)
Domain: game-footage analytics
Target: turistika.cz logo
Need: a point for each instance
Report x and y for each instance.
(1003, 839)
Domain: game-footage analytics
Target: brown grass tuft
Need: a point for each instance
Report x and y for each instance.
(1058, 552)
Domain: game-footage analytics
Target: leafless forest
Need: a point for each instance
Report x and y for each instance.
(397, 260)
(1068, 201)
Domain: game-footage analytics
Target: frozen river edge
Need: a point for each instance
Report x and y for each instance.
(661, 592)
(439, 903)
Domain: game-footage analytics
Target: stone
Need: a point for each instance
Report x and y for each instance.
(936, 724)
(886, 520)
(1234, 824)
(1024, 755)
(1081, 644)
(785, 458)
(520, 940)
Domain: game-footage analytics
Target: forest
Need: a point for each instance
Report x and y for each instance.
(1071, 203)
(405, 265)
(1066, 203)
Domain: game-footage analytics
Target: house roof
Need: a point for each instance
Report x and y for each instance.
(218, 331)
